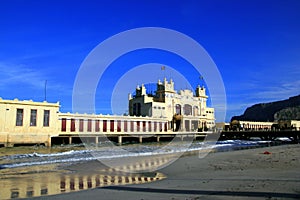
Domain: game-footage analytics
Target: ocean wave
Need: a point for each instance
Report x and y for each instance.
(45, 162)
(23, 160)
(31, 155)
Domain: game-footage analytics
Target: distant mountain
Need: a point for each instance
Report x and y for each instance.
(285, 109)
(288, 113)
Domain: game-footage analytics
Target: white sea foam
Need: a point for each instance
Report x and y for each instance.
(20, 156)
(73, 156)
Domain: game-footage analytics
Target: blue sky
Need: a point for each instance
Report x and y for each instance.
(255, 45)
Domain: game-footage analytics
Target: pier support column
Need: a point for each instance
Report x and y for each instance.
(96, 140)
(70, 139)
(8, 141)
(157, 139)
(9, 144)
(141, 139)
(49, 141)
(120, 140)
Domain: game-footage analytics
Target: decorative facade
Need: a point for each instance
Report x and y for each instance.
(183, 110)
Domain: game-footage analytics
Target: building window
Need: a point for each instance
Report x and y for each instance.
(29, 193)
(73, 125)
(155, 126)
(166, 127)
(187, 109)
(14, 194)
(104, 125)
(119, 124)
(112, 128)
(137, 109)
(63, 124)
(97, 126)
(160, 127)
(149, 126)
(89, 128)
(19, 118)
(144, 126)
(125, 126)
(178, 109)
(81, 125)
(196, 111)
(131, 126)
(44, 191)
(187, 125)
(33, 114)
(46, 117)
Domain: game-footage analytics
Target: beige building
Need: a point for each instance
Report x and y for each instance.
(289, 124)
(267, 126)
(183, 110)
(27, 121)
(252, 125)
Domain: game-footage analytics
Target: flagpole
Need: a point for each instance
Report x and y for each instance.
(45, 90)
(163, 68)
(201, 80)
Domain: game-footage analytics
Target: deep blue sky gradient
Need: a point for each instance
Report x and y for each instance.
(254, 43)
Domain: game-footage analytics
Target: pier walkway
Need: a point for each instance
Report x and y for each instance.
(263, 135)
(121, 138)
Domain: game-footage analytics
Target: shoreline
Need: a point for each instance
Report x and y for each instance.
(240, 174)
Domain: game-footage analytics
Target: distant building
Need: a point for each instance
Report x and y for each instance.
(289, 124)
(183, 110)
(250, 125)
(267, 126)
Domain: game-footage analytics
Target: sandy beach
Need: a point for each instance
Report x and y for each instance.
(261, 173)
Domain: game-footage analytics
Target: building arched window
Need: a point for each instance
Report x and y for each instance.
(137, 109)
(178, 109)
(134, 109)
(195, 111)
(187, 109)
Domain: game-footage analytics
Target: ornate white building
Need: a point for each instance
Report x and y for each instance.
(29, 122)
(183, 110)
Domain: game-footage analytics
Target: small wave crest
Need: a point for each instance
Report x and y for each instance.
(23, 160)
(31, 155)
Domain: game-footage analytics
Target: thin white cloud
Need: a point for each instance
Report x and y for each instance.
(279, 92)
(20, 74)
(23, 78)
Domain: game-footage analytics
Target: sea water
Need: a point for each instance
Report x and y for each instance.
(103, 151)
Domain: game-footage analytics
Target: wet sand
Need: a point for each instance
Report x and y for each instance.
(262, 173)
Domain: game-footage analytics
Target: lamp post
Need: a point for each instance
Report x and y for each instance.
(173, 121)
(6, 109)
(45, 90)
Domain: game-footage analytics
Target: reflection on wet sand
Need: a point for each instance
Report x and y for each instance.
(30, 182)
(139, 164)
(50, 184)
